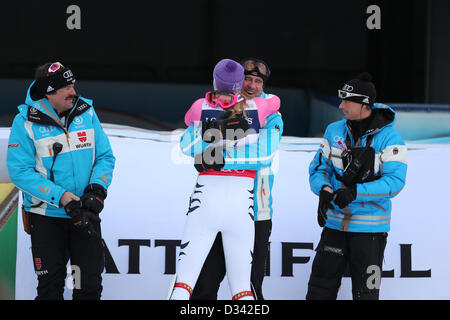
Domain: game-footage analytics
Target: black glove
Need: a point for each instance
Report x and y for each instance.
(81, 218)
(206, 160)
(325, 199)
(93, 198)
(222, 125)
(345, 195)
(358, 164)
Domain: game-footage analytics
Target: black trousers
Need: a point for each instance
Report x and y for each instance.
(213, 270)
(53, 242)
(338, 251)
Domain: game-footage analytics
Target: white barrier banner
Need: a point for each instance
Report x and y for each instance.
(144, 215)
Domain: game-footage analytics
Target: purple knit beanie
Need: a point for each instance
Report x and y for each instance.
(228, 75)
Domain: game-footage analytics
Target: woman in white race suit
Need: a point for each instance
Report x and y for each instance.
(222, 200)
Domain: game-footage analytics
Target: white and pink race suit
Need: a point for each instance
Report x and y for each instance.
(222, 201)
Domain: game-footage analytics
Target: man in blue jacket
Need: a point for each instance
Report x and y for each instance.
(359, 167)
(61, 160)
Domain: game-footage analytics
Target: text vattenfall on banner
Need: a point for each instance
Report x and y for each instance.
(145, 212)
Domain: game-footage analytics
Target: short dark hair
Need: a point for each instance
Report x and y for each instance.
(41, 71)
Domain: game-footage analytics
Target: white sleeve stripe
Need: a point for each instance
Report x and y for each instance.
(189, 146)
(394, 153)
(325, 146)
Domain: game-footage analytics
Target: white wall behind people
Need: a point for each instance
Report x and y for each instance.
(146, 209)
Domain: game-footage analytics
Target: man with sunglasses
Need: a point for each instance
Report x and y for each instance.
(256, 74)
(359, 167)
(61, 159)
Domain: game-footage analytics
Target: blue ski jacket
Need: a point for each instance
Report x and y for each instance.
(371, 210)
(258, 155)
(85, 156)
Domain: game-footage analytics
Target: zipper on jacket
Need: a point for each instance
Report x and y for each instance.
(68, 138)
(66, 123)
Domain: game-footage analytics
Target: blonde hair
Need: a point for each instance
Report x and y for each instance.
(238, 107)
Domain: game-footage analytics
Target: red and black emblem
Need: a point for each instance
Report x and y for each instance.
(82, 136)
(37, 263)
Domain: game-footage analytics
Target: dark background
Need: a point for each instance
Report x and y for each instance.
(314, 45)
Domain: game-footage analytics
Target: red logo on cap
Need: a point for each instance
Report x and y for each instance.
(82, 136)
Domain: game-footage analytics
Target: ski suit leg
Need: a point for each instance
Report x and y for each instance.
(260, 263)
(238, 235)
(366, 252)
(199, 234)
(49, 246)
(328, 266)
(212, 274)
